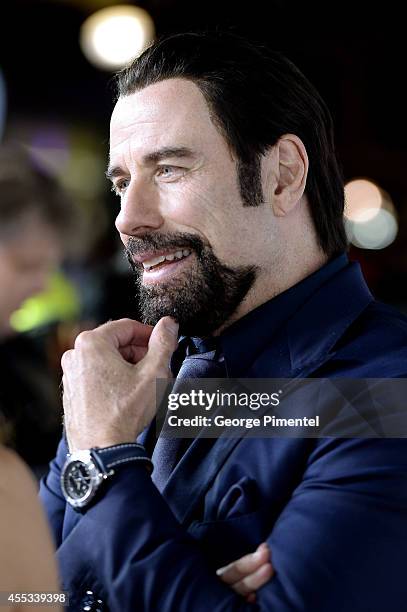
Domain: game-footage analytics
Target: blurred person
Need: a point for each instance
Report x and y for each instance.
(231, 213)
(35, 221)
(33, 217)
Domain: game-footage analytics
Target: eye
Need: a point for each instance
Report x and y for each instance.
(120, 187)
(170, 173)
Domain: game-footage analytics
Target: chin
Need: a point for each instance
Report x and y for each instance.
(198, 326)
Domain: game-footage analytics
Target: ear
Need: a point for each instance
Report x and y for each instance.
(291, 169)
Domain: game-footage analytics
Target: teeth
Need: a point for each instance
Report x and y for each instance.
(154, 261)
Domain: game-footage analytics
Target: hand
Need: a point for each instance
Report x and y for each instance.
(248, 573)
(109, 381)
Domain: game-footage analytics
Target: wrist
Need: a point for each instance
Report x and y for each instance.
(85, 471)
(102, 440)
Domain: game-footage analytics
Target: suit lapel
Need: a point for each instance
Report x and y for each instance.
(299, 349)
(205, 457)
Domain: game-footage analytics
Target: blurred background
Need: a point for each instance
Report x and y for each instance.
(57, 58)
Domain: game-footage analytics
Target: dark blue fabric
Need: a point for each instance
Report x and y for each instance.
(247, 338)
(334, 511)
(168, 451)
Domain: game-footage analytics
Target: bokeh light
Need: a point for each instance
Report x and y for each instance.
(376, 233)
(370, 216)
(363, 200)
(112, 37)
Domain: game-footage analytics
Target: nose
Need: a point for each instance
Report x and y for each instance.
(140, 210)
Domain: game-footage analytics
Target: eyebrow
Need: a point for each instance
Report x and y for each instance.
(153, 158)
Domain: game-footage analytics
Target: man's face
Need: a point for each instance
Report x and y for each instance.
(180, 199)
(26, 261)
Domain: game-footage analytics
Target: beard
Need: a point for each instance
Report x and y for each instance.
(200, 298)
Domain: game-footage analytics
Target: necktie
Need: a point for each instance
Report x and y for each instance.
(201, 361)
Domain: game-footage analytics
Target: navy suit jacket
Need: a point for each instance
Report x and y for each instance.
(334, 511)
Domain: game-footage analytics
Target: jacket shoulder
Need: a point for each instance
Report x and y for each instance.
(374, 345)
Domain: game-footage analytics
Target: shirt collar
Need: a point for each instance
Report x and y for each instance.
(242, 341)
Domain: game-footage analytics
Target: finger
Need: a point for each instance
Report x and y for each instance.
(132, 353)
(163, 342)
(125, 332)
(66, 357)
(66, 417)
(244, 566)
(251, 598)
(254, 581)
(121, 333)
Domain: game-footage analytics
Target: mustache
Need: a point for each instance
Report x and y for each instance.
(151, 242)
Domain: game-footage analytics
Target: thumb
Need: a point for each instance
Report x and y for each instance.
(161, 345)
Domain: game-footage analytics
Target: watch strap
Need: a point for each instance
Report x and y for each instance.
(112, 457)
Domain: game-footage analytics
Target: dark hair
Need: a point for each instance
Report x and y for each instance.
(255, 95)
(26, 188)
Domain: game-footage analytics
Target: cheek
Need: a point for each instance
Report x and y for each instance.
(207, 206)
(213, 209)
(190, 209)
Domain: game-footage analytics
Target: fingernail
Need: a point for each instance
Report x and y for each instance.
(263, 546)
(172, 326)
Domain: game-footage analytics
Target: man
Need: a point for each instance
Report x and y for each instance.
(232, 218)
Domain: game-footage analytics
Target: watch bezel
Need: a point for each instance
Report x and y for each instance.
(96, 477)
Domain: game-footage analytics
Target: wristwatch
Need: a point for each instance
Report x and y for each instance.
(85, 470)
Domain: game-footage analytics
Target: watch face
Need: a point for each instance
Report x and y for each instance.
(80, 478)
(77, 480)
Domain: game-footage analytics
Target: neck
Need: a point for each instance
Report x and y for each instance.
(269, 285)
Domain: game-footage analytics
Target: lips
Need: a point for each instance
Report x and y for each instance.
(157, 260)
(165, 269)
(151, 260)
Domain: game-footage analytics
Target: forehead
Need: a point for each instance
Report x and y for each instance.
(168, 113)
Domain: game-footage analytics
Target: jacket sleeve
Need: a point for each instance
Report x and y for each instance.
(51, 494)
(340, 543)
